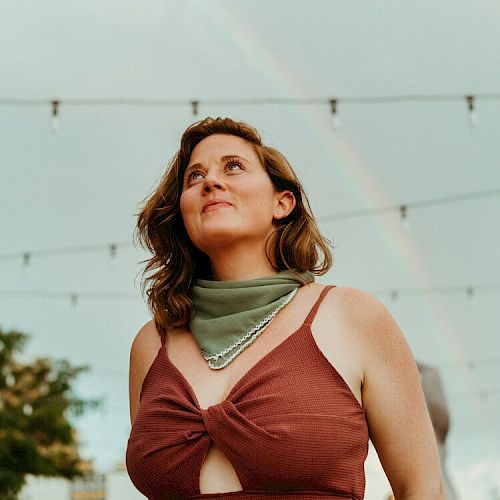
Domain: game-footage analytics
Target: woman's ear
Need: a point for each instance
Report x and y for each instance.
(285, 203)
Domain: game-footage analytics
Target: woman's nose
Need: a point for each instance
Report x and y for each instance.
(212, 182)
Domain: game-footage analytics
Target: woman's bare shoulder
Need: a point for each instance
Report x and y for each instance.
(355, 305)
(143, 352)
(145, 347)
(147, 336)
(363, 315)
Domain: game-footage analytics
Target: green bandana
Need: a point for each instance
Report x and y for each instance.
(227, 316)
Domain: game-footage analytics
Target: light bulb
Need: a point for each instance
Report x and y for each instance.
(403, 217)
(334, 116)
(470, 293)
(112, 255)
(54, 122)
(194, 107)
(473, 118)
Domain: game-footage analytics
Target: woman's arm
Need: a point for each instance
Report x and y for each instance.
(142, 354)
(398, 421)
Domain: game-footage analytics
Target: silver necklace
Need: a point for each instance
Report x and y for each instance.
(246, 339)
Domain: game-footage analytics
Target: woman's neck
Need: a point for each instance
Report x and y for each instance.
(239, 266)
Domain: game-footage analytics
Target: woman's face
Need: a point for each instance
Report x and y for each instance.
(227, 195)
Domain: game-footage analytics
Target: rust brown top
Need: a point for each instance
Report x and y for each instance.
(291, 428)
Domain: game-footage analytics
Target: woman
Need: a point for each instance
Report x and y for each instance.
(252, 380)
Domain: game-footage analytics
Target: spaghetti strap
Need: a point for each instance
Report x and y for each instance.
(314, 309)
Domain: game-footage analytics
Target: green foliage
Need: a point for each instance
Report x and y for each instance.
(36, 400)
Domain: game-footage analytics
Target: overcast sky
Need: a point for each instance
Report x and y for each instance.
(82, 185)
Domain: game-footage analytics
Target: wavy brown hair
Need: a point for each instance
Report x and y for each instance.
(176, 263)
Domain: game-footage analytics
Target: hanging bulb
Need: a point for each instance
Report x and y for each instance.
(194, 107)
(54, 122)
(334, 116)
(473, 119)
(403, 217)
(26, 261)
(470, 293)
(27, 409)
(112, 255)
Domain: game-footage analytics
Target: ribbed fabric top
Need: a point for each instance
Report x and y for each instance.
(290, 427)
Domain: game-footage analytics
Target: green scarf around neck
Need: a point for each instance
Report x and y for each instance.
(227, 316)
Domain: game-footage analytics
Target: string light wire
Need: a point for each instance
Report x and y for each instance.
(252, 101)
(403, 209)
(26, 256)
(74, 296)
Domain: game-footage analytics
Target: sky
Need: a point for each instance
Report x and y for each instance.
(79, 188)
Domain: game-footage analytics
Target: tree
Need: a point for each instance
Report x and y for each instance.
(36, 401)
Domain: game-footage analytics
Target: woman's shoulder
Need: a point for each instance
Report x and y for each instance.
(360, 312)
(145, 345)
(357, 322)
(355, 303)
(147, 336)
(145, 348)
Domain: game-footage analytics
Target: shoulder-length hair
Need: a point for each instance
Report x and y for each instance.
(176, 263)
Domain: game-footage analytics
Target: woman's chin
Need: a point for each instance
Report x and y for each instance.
(217, 238)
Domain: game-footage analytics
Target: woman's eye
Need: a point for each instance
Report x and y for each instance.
(234, 165)
(193, 176)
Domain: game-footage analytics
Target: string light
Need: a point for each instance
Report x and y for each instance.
(73, 297)
(112, 255)
(307, 101)
(125, 101)
(194, 107)
(51, 252)
(334, 118)
(54, 123)
(436, 290)
(84, 249)
(473, 119)
(430, 202)
(393, 293)
(403, 217)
